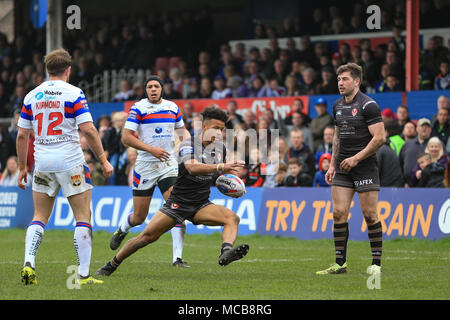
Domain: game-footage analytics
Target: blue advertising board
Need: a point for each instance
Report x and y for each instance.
(111, 205)
(304, 213)
(307, 213)
(16, 207)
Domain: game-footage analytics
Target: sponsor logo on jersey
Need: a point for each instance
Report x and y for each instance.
(158, 129)
(39, 95)
(174, 206)
(363, 182)
(53, 93)
(354, 111)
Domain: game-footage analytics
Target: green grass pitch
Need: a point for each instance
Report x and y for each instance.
(274, 269)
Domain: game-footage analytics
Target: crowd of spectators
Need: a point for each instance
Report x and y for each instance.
(202, 71)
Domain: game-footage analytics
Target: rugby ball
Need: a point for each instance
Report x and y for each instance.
(230, 185)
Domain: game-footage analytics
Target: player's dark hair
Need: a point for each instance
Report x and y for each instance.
(214, 113)
(354, 69)
(153, 78)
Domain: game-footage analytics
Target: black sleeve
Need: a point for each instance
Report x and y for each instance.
(371, 112)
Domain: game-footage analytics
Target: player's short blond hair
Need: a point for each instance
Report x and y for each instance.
(354, 69)
(57, 61)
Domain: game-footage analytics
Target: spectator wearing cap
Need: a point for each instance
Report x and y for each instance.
(220, 91)
(412, 148)
(336, 60)
(387, 114)
(329, 82)
(324, 165)
(322, 120)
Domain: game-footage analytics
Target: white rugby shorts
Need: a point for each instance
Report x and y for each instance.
(147, 174)
(74, 181)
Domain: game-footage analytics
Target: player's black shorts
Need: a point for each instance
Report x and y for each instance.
(364, 177)
(181, 211)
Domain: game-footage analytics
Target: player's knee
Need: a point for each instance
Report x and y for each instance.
(370, 219)
(339, 214)
(233, 218)
(137, 219)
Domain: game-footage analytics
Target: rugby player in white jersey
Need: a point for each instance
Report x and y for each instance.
(157, 122)
(55, 110)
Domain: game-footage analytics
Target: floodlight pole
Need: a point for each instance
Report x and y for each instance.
(54, 26)
(412, 45)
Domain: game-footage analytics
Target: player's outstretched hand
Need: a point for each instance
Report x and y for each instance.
(107, 169)
(23, 177)
(160, 153)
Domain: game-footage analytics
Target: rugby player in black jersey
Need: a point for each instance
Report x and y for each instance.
(201, 158)
(359, 134)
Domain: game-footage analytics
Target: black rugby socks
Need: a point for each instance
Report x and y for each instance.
(340, 233)
(376, 242)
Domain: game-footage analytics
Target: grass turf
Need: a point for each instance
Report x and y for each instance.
(274, 269)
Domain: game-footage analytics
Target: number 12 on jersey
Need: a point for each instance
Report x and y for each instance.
(55, 119)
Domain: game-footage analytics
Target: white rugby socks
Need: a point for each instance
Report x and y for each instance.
(178, 240)
(82, 241)
(33, 239)
(126, 226)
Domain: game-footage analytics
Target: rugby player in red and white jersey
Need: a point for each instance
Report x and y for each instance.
(55, 110)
